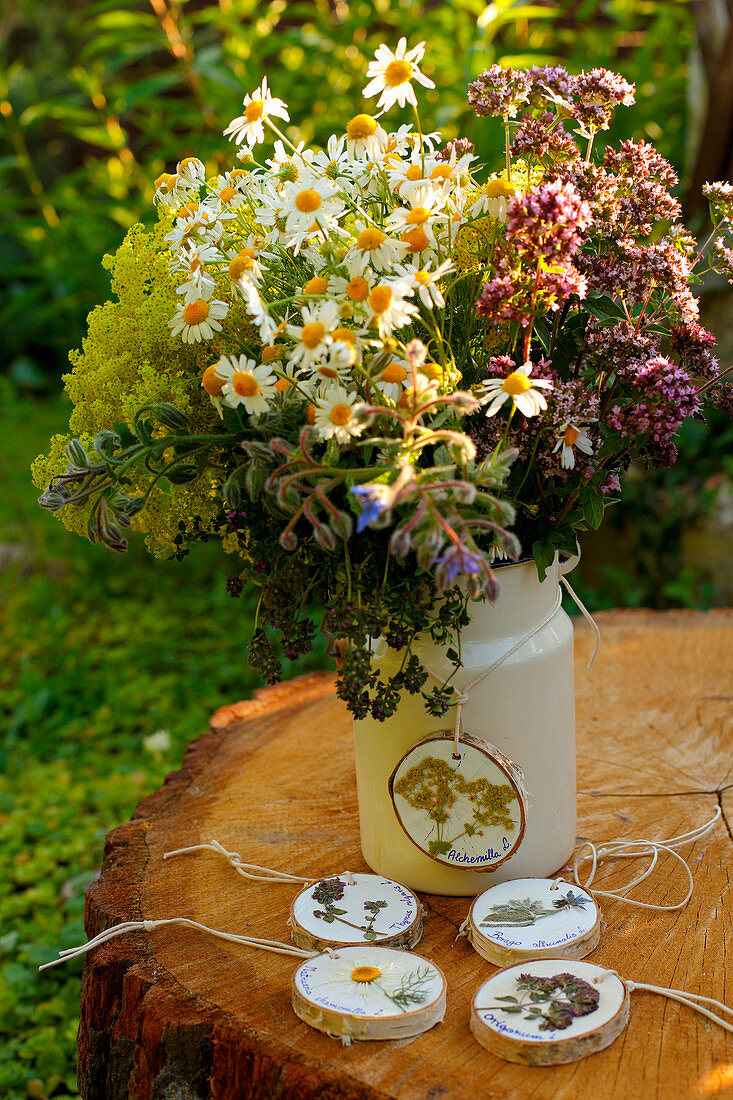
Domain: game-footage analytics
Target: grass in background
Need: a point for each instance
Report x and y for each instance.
(97, 653)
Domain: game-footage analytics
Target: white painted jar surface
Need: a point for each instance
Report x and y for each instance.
(525, 707)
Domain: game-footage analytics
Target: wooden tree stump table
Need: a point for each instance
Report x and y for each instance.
(177, 1014)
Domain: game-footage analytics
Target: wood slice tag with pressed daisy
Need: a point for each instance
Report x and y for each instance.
(466, 810)
(356, 909)
(533, 918)
(550, 1011)
(369, 993)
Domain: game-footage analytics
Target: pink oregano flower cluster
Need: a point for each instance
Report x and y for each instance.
(587, 285)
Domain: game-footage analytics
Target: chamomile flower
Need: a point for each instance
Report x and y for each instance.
(230, 188)
(524, 392)
(257, 310)
(334, 415)
(426, 282)
(245, 262)
(213, 384)
(311, 203)
(336, 367)
(493, 200)
(573, 435)
(375, 249)
(191, 172)
(190, 260)
(394, 379)
(259, 106)
(425, 210)
(246, 383)
(168, 191)
(364, 137)
(389, 308)
(198, 320)
(392, 75)
(314, 335)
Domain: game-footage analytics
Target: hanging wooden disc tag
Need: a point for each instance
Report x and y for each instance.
(534, 918)
(468, 811)
(369, 993)
(355, 908)
(550, 1011)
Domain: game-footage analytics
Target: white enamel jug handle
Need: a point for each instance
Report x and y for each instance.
(569, 564)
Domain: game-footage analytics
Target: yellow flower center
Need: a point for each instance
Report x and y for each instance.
(496, 189)
(441, 172)
(238, 173)
(316, 285)
(571, 436)
(186, 161)
(310, 414)
(380, 299)
(246, 385)
(188, 210)
(433, 371)
(196, 312)
(360, 127)
(516, 383)
(358, 289)
(166, 182)
(273, 351)
(370, 239)
(397, 72)
(307, 201)
(239, 265)
(395, 372)
(418, 216)
(254, 110)
(227, 194)
(340, 415)
(345, 335)
(283, 384)
(416, 238)
(312, 334)
(422, 277)
(211, 382)
(328, 372)
(365, 973)
(414, 172)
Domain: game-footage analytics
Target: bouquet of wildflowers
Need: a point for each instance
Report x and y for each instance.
(383, 367)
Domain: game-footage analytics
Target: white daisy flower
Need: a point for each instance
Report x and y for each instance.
(257, 309)
(493, 200)
(425, 211)
(260, 105)
(314, 335)
(392, 75)
(573, 435)
(230, 189)
(336, 367)
(168, 190)
(388, 306)
(310, 204)
(213, 385)
(334, 415)
(364, 137)
(375, 249)
(426, 282)
(394, 379)
(245, 262)
(525, 393)
(198, 320)
(191, 172)
(246, 383)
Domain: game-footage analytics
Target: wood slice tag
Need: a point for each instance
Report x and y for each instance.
(534, 918)
(369, 993)
(356, 908)
(468, 811)
(550, 1011)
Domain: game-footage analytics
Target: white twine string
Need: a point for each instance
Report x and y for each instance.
(266, 874)
(639, 849)
(274, 946)
(692, 1000)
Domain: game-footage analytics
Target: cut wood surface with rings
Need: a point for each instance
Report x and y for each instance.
(175, 1012)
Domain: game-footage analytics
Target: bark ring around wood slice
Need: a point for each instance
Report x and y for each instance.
(550, 1011)
(352, 909)
(534, 918)
(467, 811)
(369, 993)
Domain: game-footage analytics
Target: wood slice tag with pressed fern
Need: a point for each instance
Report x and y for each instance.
(356, 909)
(550, 1011)
(369, 993)
(534, 918)
(465, 810)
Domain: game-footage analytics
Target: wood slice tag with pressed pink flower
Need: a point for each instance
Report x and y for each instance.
(356, 909)
(533, 918)
(550, 1011)
(369, 993)
(465, 809)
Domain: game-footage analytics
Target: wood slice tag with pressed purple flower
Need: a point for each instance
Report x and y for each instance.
(550, 1011)
(465, 810)
(534, 918)
(356, 909)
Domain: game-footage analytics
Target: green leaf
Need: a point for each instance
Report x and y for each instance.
(593, 510)
(370, 935)
(543, 553)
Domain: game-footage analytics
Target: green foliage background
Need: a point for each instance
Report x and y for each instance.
(97, 653)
